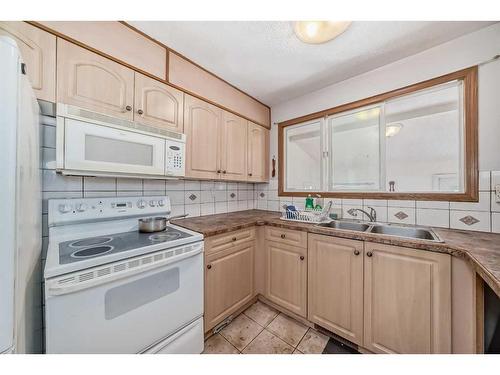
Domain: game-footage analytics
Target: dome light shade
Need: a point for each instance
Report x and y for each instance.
(317, 32)
(392, 129)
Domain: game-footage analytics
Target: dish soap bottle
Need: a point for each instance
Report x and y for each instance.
(309, 203)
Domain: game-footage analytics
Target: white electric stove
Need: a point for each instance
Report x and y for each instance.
(111, 289)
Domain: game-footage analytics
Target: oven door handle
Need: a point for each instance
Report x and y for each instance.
(54, 289)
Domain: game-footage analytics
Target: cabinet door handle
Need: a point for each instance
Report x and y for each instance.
(356, 252)
(250, 174)
(369, 254)
(218, 171)
(209, 266)
(302, 257)
(140, 111)
(224, 172)
(128, 108)
(234, 238)
(283, 236)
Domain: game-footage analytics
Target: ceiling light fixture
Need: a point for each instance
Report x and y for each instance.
(317, 32)
(392, 129)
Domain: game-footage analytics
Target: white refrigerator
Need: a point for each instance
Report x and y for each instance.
(20, 205)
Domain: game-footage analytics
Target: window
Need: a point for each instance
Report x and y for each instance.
(418, 142)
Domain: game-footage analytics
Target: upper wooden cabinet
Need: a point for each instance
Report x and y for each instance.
(157, 104)
(202, 124)
(38, 50)
(189, 76)
(335, 285)
(286, 276)
(118, 41)
(233, 147)
(91, 81)
(258, 153)
(229, 283)
(407, 300)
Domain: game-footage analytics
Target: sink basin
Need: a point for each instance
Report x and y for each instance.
(418, 233)
(360, 227)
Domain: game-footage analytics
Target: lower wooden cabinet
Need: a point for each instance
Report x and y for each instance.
(229, 282)
(287, 276)
(407, 300)
(335, 285)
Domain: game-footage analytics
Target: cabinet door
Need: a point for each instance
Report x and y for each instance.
(258, 153)
(287, 276)
(88, 80)
(158, 104)
(202, 125)
(407, 307)
(38, 50)
(234, 147)
(335, 285)
(228, 282)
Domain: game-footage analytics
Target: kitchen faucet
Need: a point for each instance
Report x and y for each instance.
(372, 216)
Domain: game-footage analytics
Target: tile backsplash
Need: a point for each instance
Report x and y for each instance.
(479, 216)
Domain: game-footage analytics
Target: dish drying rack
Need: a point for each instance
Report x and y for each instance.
(312, 216)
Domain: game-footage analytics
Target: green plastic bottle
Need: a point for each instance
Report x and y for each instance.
(309, 203)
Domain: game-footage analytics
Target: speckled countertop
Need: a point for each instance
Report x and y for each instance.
(481, 250)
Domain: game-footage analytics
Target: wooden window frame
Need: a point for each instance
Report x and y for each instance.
(471, 170)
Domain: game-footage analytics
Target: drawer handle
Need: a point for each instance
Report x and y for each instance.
(369, 254)
(283, 236)
(250, 174)
(301, 257)
(218, 171)
(140, 111)
(128, 108)
(356, 252)
(224, 172)
(234, 238)
(209, 266)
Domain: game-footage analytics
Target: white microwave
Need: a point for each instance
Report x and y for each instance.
(93, 144)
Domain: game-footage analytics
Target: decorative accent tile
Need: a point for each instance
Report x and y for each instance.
(262, 195)
(232, 195)
(401, 215)
(192, 197)
(482, 224)
(469, 220)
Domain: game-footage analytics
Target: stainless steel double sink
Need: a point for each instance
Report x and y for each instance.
(385, 229)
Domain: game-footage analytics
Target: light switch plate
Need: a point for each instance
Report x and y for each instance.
(497, 193)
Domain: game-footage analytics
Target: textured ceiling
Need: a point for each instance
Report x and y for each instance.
(266, 60)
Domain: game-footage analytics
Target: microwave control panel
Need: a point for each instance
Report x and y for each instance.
(176, 158)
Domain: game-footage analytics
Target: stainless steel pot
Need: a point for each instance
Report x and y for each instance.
(152, 224)
(156, 224)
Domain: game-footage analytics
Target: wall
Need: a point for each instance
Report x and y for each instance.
(191, 197)
(457, 54)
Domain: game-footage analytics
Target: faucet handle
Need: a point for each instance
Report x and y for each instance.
(373, 213)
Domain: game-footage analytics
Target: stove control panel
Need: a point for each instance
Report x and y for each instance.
(66, 211)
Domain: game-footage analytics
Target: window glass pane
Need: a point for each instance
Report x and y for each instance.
(303, 156)
(355, 150)
(424, 140)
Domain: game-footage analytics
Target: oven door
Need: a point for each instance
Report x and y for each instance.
(97, 148)
(126, 315)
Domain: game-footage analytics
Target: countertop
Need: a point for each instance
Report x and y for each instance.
(480, 249)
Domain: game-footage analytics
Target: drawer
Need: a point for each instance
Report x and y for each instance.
(227, 240)
(287, 236)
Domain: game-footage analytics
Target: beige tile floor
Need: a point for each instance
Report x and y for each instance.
(263, 330)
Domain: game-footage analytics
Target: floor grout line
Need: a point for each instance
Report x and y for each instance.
(229, 342)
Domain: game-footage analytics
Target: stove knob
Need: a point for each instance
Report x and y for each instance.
(65, 208)
(161, 202)
(141, 203)
(152, 203)
(81, 207)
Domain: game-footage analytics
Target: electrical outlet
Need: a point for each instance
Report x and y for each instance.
(497, 193)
